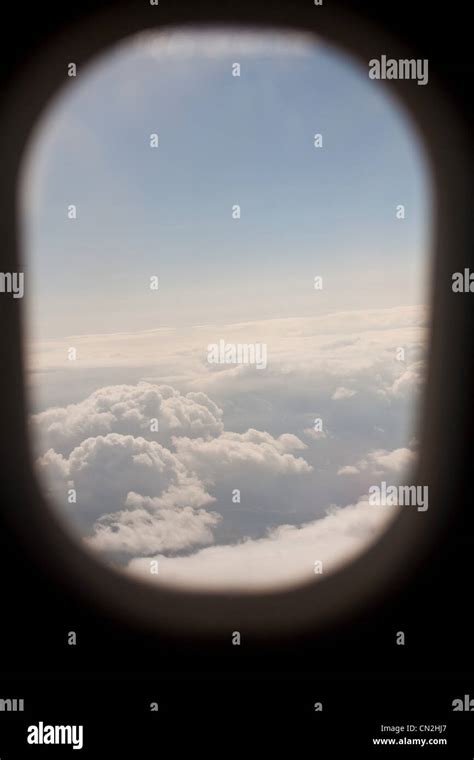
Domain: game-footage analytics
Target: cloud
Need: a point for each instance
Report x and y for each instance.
(380, 461)
(348, 470)
(145, 493)
(254, 450)
(222, 43)
(154, 525)
(285, 556)
(133, 494)
(359, 339)
(105, 469)
(398, 460)
(128, 409)
(316, 435)
(341, 393)
(410, 381)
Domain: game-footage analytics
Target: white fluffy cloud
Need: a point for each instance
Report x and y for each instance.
(105, 469)
(380, 461)
(134, 495)
(144, 493)
(409, 381)
(128, 409)
(286, 556)
(348, 469)
(253, 450)
(155, 524)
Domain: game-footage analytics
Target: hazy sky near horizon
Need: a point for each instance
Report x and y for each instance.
(224, 140)
(333, 354)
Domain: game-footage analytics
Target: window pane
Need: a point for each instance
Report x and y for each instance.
(226, 237)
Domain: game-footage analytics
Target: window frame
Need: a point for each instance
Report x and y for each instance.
(400, 551)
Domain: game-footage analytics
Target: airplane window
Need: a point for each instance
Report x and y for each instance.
(226, 246)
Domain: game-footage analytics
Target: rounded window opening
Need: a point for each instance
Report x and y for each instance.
(226, 239)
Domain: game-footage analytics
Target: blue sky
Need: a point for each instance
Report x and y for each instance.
(224, 140)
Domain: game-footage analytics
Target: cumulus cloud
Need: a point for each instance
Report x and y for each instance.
(105, 469)
(348, 469)
(409, 382)
(316, 435)
(135, 495)
(286, 555)
(253, 450)
(128, 409)
(155, 524)
(398, 460)
(144, 493)
(380, 461)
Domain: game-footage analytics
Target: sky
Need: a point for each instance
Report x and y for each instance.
(142, 354)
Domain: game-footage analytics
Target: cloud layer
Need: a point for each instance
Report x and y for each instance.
(289, 554)
(148, 471)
